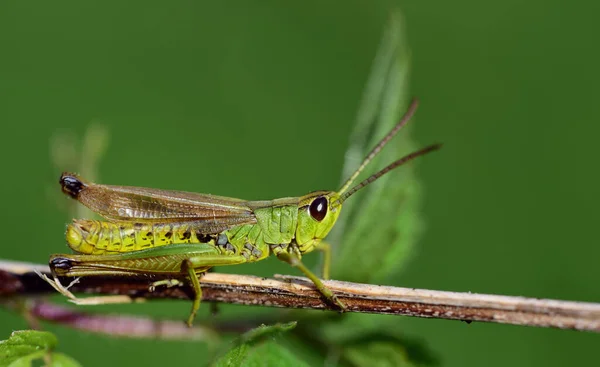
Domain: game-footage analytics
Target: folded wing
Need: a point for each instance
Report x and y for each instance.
(146, 205)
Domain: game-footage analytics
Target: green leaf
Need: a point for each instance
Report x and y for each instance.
(63, 360)
(383, 349)
(377, 353)
(24, 346)
(381, 224)
(258, 347)
(333, 336)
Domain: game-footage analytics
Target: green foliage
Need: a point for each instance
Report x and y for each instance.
(352, 339)
(377, 354)
(379, 226)
(23, 347)
(258, 347)
(386, 350)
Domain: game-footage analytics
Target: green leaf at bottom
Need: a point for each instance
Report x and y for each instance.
(23, 347)
(258, 347)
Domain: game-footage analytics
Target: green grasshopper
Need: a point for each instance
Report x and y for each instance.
(174, 234)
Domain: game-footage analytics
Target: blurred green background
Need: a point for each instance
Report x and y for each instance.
(256, 100)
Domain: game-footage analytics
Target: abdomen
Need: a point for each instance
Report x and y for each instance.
(95, 237)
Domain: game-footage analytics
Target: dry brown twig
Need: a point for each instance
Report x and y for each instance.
(19, 279)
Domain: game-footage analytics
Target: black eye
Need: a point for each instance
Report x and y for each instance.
(318, 208)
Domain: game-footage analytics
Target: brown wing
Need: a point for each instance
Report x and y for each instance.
(125, 203)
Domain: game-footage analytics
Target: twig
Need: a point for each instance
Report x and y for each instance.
(19, 279)
(124, 326)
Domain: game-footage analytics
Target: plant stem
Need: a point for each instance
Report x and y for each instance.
(19, 279)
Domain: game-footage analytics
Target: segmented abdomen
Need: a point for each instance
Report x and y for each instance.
(98, 237)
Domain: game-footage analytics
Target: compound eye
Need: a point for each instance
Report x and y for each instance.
(318, 208)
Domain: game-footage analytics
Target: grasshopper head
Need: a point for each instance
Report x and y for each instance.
(318, 211)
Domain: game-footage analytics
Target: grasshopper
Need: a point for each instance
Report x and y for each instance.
(180, 235)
